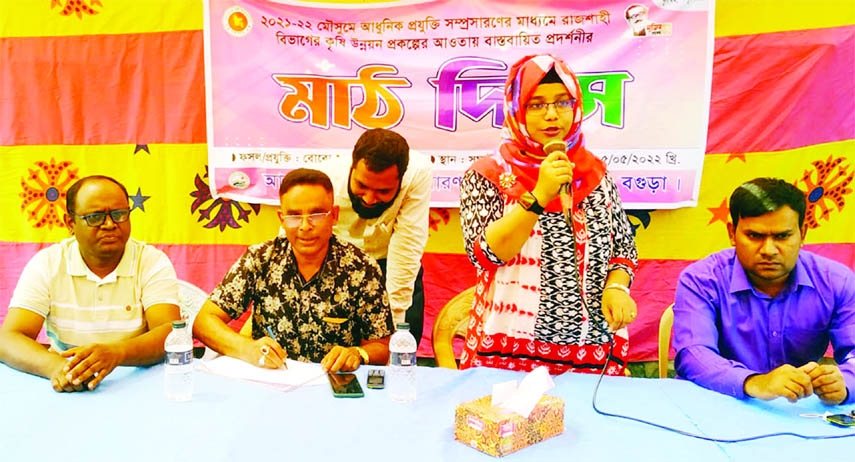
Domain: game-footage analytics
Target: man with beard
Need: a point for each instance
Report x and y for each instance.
(383, 193)
(754, 320)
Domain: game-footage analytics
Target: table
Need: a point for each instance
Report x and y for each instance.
(128, 419)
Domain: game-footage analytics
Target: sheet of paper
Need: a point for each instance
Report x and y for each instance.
(297, 374)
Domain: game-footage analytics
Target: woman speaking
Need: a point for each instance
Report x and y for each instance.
(544, 226)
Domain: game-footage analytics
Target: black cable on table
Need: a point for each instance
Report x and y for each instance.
(690, 434)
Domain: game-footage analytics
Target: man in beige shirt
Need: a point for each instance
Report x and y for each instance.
(105, 299)
(383, 193)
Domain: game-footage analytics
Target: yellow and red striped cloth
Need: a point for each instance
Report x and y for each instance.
(117, 87)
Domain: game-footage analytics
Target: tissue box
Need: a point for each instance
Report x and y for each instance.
(498, 432)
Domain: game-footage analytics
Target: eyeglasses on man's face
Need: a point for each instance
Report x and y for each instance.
(98, 218)
(294, 221)
(562, 105)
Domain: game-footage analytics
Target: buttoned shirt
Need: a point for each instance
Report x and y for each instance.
(81, 308)
(342, 304)
(725, 330)
(399, 235)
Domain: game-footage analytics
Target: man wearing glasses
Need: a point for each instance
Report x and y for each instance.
(105, 299)
(636, 18)
(314, 298)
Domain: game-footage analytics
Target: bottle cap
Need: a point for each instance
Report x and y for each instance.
(403, 325)
(180, 324)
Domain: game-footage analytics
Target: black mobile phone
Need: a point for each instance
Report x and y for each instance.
(841, 420)
(345, 385)
(376, 378)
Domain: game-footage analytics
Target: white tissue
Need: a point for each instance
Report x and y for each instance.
(522, 399)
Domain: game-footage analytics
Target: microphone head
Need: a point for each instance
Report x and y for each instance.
(554, 146)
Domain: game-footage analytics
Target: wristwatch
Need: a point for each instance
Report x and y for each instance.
(529, 202)
(363, 354)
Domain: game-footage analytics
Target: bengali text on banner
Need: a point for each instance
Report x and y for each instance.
(291, 86)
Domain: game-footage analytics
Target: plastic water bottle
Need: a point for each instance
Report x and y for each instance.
(178, 370)
(402, 365)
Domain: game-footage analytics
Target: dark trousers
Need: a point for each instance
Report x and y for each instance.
(416, 313)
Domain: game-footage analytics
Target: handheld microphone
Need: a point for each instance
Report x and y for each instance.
(565, 193)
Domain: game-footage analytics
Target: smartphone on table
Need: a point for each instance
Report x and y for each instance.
(841, 420)
(345, 385)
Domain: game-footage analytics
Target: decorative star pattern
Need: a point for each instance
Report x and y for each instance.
(77, 7)
(223, 210)
(43, 192)
(736, 155)
(720, 213)
(138, 200)
(141, 147)
(827, 184)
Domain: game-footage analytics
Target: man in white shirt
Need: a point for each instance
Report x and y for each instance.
(383, 193)
(105, 299)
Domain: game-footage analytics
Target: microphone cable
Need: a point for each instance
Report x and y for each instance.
(690, 434)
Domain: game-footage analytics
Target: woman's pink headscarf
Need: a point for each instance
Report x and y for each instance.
(522, 153)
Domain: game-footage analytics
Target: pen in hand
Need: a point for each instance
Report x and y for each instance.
(265, 350)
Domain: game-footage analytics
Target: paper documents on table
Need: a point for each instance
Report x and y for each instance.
(297, 374)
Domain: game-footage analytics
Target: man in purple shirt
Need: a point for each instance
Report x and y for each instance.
(753, 320)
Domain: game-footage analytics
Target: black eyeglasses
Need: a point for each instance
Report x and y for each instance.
(98, 218)
(562, 105)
